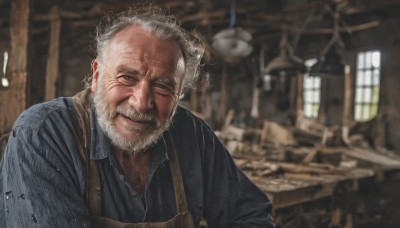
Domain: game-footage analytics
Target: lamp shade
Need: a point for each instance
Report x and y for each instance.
(232, 42)
(289, 64)
(329, 65)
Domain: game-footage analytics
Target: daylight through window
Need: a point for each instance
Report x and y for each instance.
(311, 92)
(367, 85)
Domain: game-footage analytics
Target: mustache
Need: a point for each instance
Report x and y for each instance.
(132, 114)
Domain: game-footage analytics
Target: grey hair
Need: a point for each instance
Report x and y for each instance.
(163, 26)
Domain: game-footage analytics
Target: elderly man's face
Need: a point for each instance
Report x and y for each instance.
(136, 87)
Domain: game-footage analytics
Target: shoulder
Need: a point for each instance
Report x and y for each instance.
(52, 112)
(184, 117)
(188, 129)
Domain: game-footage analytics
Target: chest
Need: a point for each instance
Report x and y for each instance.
(136, 169)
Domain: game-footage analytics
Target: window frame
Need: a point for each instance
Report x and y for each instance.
(367, 85)
(311, 92)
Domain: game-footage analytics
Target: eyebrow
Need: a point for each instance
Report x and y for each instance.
(124, 69)
(167, 81)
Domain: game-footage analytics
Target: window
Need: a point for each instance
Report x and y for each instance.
(311, 92)
(367, 85)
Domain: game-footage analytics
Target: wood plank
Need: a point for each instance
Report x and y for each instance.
(285, 199)
(372, 157)
(53, 54)
(348, 104)
(15, 98)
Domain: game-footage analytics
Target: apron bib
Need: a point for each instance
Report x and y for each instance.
(182, 219)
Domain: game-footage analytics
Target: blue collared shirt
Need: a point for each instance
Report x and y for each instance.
(44, 183)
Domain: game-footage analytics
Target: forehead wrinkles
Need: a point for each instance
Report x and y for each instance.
(145, 61)
(167, 55)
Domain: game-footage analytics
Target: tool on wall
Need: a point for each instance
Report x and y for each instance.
(4, 80)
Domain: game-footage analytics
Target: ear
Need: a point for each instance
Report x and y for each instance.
(95, 75)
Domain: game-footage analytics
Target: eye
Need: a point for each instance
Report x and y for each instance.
(127, 80)
(164, 88)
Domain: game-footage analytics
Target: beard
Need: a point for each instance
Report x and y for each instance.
(141, 139)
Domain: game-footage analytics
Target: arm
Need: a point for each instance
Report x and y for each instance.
(231, 199)
(42, 185)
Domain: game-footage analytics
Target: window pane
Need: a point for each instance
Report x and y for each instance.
(307, 83)
(368, 59)
(367, 95)
(308, 110)
(360, 62)
(315, 110)
(357, 112)
(317, 82)
(317, 96)
(307, 96)
(375, 77)
(367, 78)
(360, 78)
(365, 112)
(359, 95)
(376, 59)
(375, 98)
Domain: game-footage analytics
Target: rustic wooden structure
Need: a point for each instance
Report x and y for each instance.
(16, 98)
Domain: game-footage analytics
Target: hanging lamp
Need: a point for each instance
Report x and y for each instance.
(286, 62)
(232, 42)
(330, 62)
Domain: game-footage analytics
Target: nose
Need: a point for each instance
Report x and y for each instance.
(141, 98)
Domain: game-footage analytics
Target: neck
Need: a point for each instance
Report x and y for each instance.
(135, 166)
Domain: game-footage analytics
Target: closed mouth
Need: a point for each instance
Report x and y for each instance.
(138, 120)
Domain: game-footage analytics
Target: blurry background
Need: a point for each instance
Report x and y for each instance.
(302, 92)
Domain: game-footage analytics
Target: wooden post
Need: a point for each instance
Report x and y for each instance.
(322, 117)
(53, 55)
(15, 98)
(222, 101)
(347, 104)
(299, 97)
(293, 96)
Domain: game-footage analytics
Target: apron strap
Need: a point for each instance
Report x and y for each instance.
(93, 195)
(180, 196)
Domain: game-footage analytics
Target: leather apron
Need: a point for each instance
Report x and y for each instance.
(182, 219)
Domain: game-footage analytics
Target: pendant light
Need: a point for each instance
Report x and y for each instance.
(330, 62)
(233, 42)
(286, 62)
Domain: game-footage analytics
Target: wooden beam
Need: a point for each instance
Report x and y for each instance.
(15, 98)
(53, 55)
(348, 104)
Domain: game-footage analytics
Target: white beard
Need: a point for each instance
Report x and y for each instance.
(105, 115)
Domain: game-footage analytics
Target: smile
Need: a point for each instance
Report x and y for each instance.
(136, 121)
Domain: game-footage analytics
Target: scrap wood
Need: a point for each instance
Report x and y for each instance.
(311, 127)
(304, 176)
(370, 156)
(240, 162)
(297, 168)
(277, 134)
(328, 166)
(257, 168)
(257, 165)
(311, 155)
